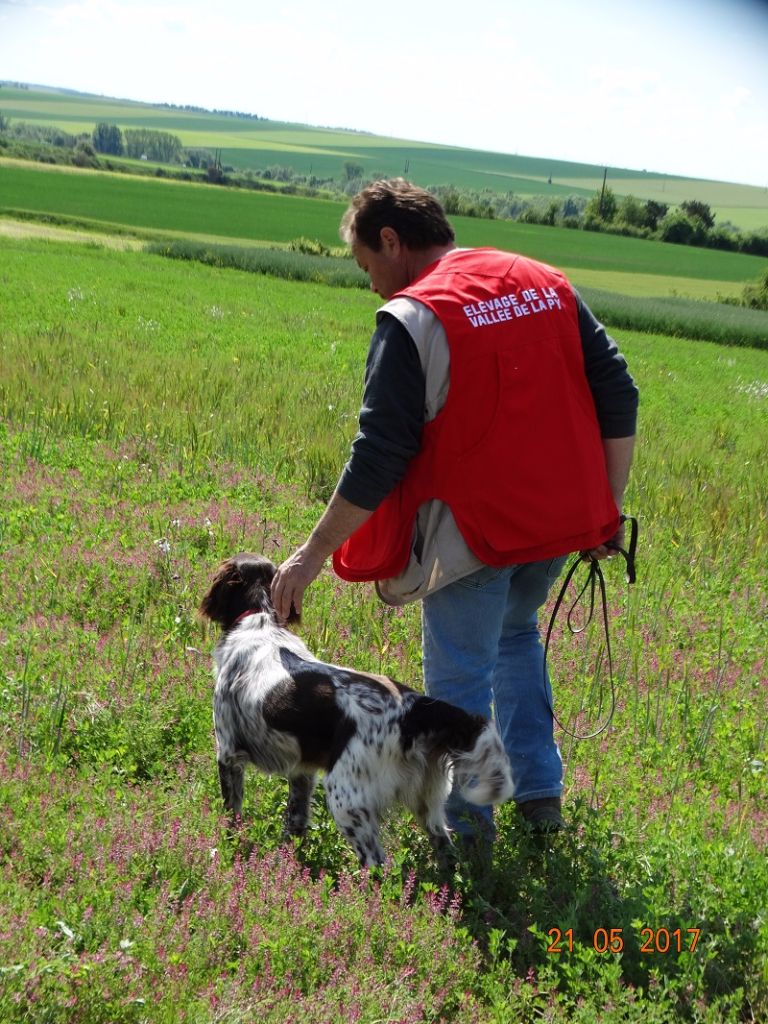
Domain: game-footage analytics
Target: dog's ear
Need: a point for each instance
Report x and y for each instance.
(216, 603)
(294, 619)
(241, 584)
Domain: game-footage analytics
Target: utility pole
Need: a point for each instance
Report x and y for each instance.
(602, 194)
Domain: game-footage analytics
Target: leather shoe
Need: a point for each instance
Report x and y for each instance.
(544, 814)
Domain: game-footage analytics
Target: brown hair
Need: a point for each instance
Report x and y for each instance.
(415, 214)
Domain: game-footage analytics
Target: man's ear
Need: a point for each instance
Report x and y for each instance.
(390, 241)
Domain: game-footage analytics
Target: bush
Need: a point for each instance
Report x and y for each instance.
(541, 214)
(682, 318)
(336, 271)
(603, 206)
(592, 222)
(755, 296)
(679, 229)
(85, 155)
(722, 238)
(755, 243)
(632, 211)
(310, 246)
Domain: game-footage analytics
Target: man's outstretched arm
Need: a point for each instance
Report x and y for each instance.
(339, 521)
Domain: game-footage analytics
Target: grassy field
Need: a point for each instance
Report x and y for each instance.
(721, 322)
(156, 207)
(323, 151)
(156, 416)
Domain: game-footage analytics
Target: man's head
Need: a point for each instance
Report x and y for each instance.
(412, 212)
(395, 229)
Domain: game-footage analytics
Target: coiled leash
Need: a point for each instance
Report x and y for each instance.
(594, 577)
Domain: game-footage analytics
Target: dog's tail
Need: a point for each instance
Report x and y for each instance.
(470, 743)
(483, 772)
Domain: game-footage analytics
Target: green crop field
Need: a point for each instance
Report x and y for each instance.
(252, 144)
(156, 416)
(147, 205)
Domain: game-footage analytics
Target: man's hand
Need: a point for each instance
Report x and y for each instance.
(340, 519)
(292, 579)
(607, 550)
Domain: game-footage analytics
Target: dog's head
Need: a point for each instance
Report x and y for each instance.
(241, 584)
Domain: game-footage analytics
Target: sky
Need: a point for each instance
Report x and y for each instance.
(673, 86)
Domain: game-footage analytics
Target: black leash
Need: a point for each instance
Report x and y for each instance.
(594, 578)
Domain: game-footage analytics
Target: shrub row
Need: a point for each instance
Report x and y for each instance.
(682, 318)
(294, 264)
(685, 318)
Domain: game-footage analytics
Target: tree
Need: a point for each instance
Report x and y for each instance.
(631, 211)
(352, 171)
(602, 205)
(696, 210)
(85, 155)
(4, 123)
(682, 230)
(198, 157)
(161, 147)
(653, 214)
(107, 138)
(756, 295)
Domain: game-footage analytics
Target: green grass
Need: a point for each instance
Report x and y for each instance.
(175, 206)
(710, 321)
(156, 416)
(323, 152)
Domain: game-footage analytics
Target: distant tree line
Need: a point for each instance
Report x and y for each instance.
(188, 109)
(690, 223)
(39, 133)
(137, 143)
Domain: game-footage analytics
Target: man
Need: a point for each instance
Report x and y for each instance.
(496, 437)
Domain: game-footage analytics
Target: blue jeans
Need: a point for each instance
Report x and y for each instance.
(482, 650)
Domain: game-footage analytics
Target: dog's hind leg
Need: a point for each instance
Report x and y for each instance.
(360, 828)
(296, 818)
(428, 806)
(231, 775)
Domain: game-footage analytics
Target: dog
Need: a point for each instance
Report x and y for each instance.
(279, 708)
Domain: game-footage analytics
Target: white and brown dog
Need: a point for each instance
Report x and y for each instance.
(279, 708)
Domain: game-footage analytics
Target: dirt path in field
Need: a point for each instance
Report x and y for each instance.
(29, 229)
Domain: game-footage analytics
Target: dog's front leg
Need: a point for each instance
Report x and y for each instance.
(231, 775)
(296, 818)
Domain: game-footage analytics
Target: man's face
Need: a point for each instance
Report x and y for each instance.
(387, 268)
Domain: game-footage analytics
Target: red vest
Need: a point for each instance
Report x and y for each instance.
(516, 450)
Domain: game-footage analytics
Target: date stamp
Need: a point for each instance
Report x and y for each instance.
(653, 941)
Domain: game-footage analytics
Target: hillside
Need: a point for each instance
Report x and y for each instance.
(251, 143)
